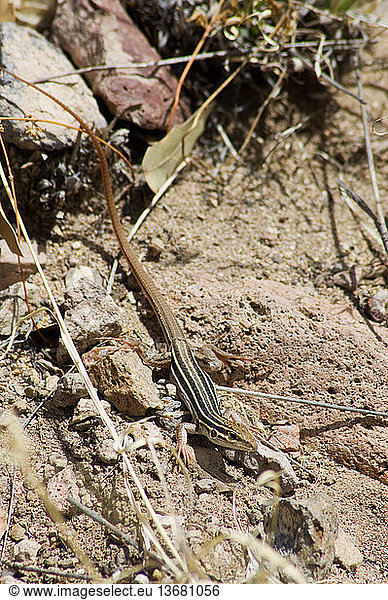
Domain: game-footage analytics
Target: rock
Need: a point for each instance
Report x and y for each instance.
(141, 579)
(30, 55)
(17, 533)
(306, 532)
(69, 390)
(286, 438)
(377, 306)
(346, 367)
(346, 552)
(360, 447)
(35, 14)
(106, 35)
(50, 383)
(57, 460)
(85, 414)
(21, 406)
(74, 275)
(143, 431)
(122, 378)
(62, 485)
(90, 314)
(9, 265)
(263, 459)
(26, 551)
(7, 578)
(13, 305)
(349, 279)
(205, 485)
(106, 452)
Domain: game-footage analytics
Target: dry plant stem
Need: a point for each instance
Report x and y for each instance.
(328, 79)
(367, 210)
(30, 315)
(9, 516)
(362, 411)
(227, 142)
(147, 532)
(102, 521)
(11, 193)
(18, 445)
(337, 44)
(41, 571)
(369, 153)
(140, 65)
(267, 558)
(281, 137)
(12, 497)
(275, 90)
(142, 218)
(70, 344)
(191, 60)
(79, 129)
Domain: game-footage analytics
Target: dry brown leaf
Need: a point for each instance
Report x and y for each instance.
(162, 158)
(7, 232)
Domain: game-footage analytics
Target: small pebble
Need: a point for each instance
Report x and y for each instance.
(10, 580)
(85, 413)
(57, 460)
(69, 390)
(30, 391)
(106, 452)
(78, 272)
(346, 552)
(21, 406)
(286, 438)
(141, 578)
(17, 533)
(377, 306)
(205, 485)
(51, 382)
(26, 551)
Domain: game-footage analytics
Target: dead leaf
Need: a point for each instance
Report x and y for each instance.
(7, 232)
(161, 159)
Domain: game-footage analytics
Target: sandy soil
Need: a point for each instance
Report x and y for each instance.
(246, 254)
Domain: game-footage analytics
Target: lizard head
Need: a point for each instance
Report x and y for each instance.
(236, 436)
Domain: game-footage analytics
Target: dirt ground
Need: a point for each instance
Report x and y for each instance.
(245, 253)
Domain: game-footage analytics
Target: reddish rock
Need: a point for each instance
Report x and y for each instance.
(105, 34)
(286, 438)
(359, 446)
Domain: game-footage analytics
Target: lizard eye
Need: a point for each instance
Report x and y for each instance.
(213, 434)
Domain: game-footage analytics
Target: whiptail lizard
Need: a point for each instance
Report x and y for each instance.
(193, 384)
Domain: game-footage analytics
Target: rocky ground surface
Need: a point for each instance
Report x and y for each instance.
(258, 258)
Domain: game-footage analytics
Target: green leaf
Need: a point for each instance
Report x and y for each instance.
(161, 159)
